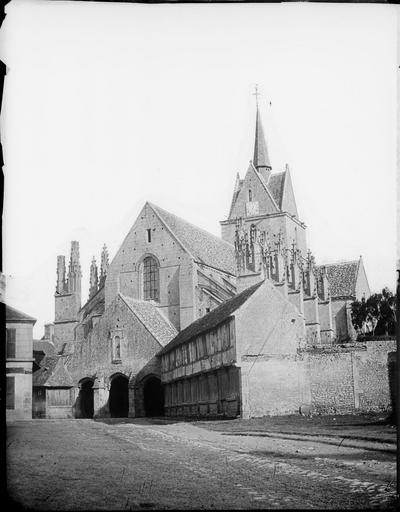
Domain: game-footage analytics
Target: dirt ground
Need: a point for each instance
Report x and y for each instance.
(267, 463)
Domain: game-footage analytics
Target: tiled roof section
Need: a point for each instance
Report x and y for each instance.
(275, 185)
(60, 376)
(44, 346)
(159, 326)
(342, 278)
(13, 315)
(203, 246)
(212, 319)
(41, 376)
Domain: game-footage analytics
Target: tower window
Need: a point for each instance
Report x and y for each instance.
(250, 196)
(149, 235)
(151, 279)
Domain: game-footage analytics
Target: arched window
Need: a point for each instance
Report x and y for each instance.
(250, 196)
(151, 279)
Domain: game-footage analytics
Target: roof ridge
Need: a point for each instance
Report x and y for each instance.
(240, 298)
(190, 223)
(18, 312)
(340, 262)
(142, 320)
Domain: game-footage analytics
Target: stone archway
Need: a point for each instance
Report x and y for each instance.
(119, 396)
(153, 397)
(84, 407)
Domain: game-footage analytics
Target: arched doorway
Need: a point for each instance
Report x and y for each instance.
(119, 397)
(153, 396)
(85, 402)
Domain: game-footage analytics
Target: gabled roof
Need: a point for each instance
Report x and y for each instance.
(14, 315)
(212, 319)
(52, 373)
(342, 277)
(150, 316)
(201, 245)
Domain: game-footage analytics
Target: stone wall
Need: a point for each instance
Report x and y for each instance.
(353, 378)
(274, 385)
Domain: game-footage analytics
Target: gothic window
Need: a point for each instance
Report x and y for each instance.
(250, 196)
(151, 279)
(116, 348)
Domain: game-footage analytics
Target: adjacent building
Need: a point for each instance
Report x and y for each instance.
(19, 361)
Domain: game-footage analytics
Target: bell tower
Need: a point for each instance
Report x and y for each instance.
(67, 298)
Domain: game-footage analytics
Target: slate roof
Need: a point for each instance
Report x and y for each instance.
(342, 277)
(45, 346)
(212, 319)
(159, 326)
(260, 157)
(275, 185)
(52, 373)
(14, 315)
(203, 246)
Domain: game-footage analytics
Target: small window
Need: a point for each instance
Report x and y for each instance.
(149, 235)
(250, 196)
(10, 345)
(207, 310)
(10, 398)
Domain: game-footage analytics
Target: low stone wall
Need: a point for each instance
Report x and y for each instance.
(353, 378)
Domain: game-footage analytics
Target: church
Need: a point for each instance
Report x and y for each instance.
(181, 323)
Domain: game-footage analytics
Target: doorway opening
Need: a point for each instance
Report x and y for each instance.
(85, 400)
(153, 395)
(119, 397)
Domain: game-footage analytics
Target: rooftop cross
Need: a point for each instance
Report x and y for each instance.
(256, 94)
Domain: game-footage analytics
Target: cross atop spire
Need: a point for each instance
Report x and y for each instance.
(256, 94)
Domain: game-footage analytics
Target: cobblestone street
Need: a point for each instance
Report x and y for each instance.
(143, 464)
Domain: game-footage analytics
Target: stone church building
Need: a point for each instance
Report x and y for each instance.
(185, 324)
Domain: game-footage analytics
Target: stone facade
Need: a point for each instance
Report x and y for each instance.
(353, 378)
(184, 323)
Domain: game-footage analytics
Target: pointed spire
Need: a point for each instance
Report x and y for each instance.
(94, 281)
(74, 270)
(103, 265)
(60, 287)
(261, 158)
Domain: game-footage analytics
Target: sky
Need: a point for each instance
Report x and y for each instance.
(109, 105)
